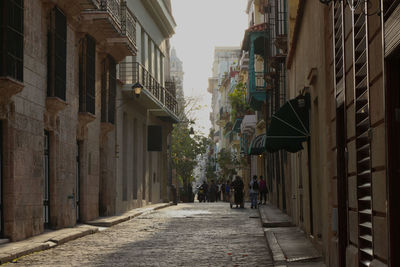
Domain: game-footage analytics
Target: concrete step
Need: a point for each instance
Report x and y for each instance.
(273, 217)
(290, 247)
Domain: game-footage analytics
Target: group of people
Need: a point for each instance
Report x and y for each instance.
(213, 192)
(258, 189)
(220, 191)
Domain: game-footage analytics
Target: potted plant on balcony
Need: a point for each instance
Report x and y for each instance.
(238, 104)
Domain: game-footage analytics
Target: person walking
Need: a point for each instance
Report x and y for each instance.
(213, 192)
(238, 186)
(253, 191)
(227, 190)
(263, 190)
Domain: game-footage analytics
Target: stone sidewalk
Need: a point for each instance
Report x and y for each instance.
(53, 238)
(288, 244)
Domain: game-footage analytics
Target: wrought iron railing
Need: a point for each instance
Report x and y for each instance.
(134, 72)
(113, 7)
(260, 83)
(128, 23)
(170, 86)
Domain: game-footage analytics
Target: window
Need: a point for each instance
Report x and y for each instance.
(108, 90)
(87, 75)
(57, 55)
(12, 38)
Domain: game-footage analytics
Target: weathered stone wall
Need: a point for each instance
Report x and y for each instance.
(308, 69)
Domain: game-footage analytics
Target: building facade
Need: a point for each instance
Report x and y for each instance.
(330, 97)
(60, 91)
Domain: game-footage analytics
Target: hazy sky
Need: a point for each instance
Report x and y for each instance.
(202, 25)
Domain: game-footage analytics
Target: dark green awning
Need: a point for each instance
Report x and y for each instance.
(257, 145)
(289, 126)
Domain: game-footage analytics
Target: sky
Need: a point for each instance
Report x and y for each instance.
(201, 26)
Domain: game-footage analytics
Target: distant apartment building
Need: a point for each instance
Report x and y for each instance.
(224, 58)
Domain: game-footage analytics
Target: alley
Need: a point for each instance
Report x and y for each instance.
(188, 234)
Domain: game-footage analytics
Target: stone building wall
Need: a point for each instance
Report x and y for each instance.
(307, 72)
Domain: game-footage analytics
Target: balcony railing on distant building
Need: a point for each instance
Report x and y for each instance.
(170, 86)
(113, 7)
(134, 72)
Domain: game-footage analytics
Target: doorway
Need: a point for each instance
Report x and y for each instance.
(342, 190)
(393, 145)
(46, 184)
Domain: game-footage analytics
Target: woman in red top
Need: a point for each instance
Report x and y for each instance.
(262, 190)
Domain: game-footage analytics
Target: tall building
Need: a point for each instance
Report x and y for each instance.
(177, 73)
(76, 142)
(224, 58)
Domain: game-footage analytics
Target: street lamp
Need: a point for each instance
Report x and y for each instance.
(137, 89)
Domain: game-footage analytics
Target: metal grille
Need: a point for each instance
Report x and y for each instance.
(12, 38)
(46, 185)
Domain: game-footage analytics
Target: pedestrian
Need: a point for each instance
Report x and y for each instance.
(238, 186)
(253, 185)
(213, 191)
(219, 191)
(263, 190)
(204, 192)
(222, 191)
(227, 190)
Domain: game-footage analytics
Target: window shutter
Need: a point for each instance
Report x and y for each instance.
(112, 89)
(12, 38)
(57, 54)
(87, 75)
(90, 74)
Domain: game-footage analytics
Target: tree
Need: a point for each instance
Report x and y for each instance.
(227, 162)
(186, 148)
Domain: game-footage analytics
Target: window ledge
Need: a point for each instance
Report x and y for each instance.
(8, 88)
(55, 104)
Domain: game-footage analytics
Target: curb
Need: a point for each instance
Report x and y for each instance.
(77, 232)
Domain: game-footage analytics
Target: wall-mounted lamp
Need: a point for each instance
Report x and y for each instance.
(137, 89)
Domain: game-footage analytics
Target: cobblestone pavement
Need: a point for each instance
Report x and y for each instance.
(199, 234)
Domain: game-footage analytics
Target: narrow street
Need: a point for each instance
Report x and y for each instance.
(198, 234)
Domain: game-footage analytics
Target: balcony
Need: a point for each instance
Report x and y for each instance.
(256, 89)
(170, 86)
(112, 23)
(248, 125)
(223, 117)
(155, 96)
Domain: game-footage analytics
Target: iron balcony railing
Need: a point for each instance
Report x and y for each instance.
(128, 23)
(113, 7)
(170, 86)
(134, 72)
(260, 83)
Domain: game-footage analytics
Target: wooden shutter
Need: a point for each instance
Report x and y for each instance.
(12, 38)
(362, 126)
(112, 74)
(90, 74)
(87, 75)
(57, 54)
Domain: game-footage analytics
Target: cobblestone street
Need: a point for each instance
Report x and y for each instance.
(196, 234)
